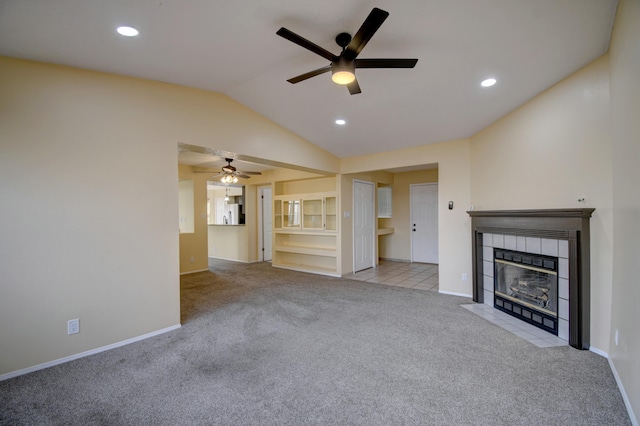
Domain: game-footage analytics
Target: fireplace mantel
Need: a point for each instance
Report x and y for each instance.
(569, 224)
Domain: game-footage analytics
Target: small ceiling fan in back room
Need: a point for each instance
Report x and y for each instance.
(343, 66)
(229, 174)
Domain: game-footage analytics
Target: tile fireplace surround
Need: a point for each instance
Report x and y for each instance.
(566, 229)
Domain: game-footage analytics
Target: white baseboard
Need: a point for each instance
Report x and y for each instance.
(235, 260)
(390, 259)
(84, 354)
(453, 293)
(598, 351)
(625, 398)
(193, 272)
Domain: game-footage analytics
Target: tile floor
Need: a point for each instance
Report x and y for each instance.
(421, 276)
(532, 334)
(424, 276)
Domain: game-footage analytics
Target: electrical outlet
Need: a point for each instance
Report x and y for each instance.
(73, 326)
(464, 277)
(193, 259)
(616, 338)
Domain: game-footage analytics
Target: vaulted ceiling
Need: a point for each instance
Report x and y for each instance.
(232, 47)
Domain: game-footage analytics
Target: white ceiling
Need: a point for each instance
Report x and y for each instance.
(232, 47)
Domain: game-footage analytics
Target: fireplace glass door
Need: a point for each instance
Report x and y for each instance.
(526, 286)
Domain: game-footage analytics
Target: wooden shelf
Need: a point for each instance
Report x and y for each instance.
(317, 251)
(308, 268)
(385, 231)
(305, 260)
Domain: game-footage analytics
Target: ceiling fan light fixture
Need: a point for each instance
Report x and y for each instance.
(343, 76)
(229, 179)
(343, 72)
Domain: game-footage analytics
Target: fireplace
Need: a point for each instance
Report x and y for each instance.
(543, 257)
(526, 287)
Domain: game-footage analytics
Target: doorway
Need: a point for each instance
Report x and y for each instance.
(363, 225)
(265, 224)
(424, 221)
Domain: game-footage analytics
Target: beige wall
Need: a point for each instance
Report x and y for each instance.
(89, 224)
(454, 227)
(549, 153)
(625, 112)
(229, 242)
(89, 182)
(194, 245)
(307, 186)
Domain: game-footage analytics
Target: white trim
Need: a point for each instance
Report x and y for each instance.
(598, 351)
(234, 260)
(453, 293)
(87, 353)
(260, 202)
(390, 259)
(193, 272)
(625, 398)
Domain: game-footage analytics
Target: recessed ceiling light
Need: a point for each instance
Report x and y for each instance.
(488, 82)
(127, 31)
(340, 122)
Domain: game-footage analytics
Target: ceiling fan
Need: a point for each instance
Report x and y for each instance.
(343, 66)
(229, 174)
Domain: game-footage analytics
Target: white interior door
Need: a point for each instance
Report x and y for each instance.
(265, 224)
(424, 221)
(363, 225)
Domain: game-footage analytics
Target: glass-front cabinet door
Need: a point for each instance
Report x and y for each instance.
(291, 213)
(331, 214)
(277, 214)
(312, 214)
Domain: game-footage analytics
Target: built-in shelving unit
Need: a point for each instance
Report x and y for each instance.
(306, 234)
(385, 231)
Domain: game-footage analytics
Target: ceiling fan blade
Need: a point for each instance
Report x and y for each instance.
(309, 74)
(300, 41)
(354, 87)
(385, 63)
(364, 34)
(214, 176)
(243, 176)
(251, 173)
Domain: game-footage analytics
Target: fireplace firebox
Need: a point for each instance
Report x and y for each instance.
(526, 287)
